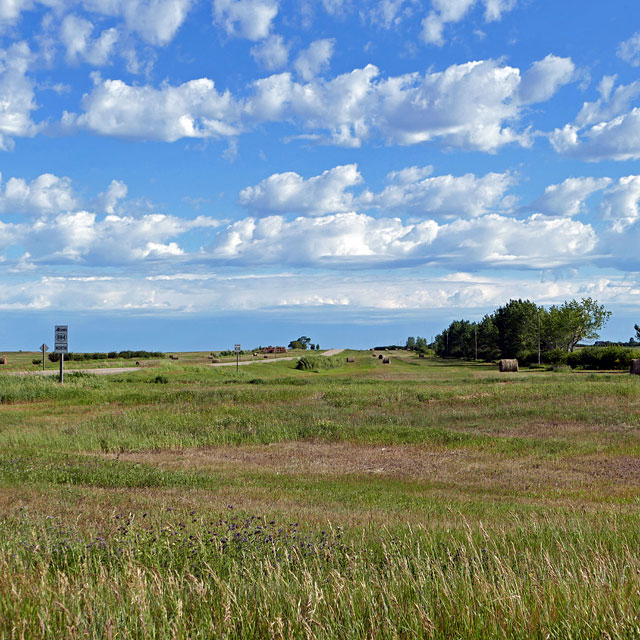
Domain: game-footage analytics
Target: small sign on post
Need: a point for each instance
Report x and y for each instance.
(61, 342)
(237, 349)
(44, 348)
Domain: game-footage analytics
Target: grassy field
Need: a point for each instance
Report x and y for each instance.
(416, 499)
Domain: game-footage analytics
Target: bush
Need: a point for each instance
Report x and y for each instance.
(602, 358)
(319, 363)
(36, 361)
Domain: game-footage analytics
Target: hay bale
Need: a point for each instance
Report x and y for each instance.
(385, 360)
(380, 357)
(214, 360)
(351, 359)
(3, 359)
(508, 365)
(635, 367)
(421, 355)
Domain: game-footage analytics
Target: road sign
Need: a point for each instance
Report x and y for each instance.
(237, 348)
(61, 335)
(44, 347)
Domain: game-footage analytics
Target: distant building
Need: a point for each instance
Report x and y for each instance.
(274, 350)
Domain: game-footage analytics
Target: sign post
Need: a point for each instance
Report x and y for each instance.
(236, 348)
(43, 348)
(61, 342)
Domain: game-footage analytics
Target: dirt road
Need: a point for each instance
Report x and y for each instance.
(329, 352)
(114, 370)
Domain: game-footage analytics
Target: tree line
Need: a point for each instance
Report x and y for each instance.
(522, 329)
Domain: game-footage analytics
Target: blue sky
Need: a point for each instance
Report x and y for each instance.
(182, 174)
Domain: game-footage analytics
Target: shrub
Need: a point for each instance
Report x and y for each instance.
(36, 361)
(602, 358)
(319, 363)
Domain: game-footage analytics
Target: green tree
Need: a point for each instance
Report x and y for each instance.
(488, 348)
(411, 344)
(566, 325)
(637, 328)
(457, 341)
(301, 343)
(422, 345)
(517, 325)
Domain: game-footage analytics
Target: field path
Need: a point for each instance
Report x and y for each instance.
(332, 352)
(329, 352)
(55, 372)
(106, 372)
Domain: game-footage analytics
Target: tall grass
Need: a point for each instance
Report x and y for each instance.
(246, 577)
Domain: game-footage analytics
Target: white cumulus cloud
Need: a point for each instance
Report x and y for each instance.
(568, 198)
(75, 34)
(450, 11)
(489, 241)
(45, 194)
(272, 53)
(249, 19)
(191, 110)
(156, 21)
(315, 58)
(473, 105)
(606, 129)
(447, 196)
(291, 193)
(629, 50)
(17, 99)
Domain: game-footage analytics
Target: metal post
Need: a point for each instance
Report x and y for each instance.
(61, 368)
(237, 361)
(43, 357)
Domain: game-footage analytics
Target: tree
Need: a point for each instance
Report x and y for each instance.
(637, 328)
(488, 348)
(565, 326)
(301, 343)
(517, 325)
(457, 341)
(411, 344)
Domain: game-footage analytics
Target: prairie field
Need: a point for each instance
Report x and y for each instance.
(416, 499)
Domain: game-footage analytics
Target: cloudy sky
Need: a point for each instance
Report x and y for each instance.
(193, 173)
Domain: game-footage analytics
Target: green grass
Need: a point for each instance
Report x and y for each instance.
(432, 499)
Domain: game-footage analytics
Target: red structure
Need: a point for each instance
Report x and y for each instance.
(274, 350)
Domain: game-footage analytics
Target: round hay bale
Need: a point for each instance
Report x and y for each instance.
(385, 360)
(3, 359)
(635, 367)
(351, 359)
(508, 365)
(380, 357)
(214, 360)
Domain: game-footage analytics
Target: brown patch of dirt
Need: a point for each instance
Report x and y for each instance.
(465, 469)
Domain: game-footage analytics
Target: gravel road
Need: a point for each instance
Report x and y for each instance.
(106, 372)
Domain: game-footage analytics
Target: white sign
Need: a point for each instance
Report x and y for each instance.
(61, 338)
(237, 348)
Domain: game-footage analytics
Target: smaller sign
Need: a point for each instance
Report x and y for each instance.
(237, 348)
(44, 347)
